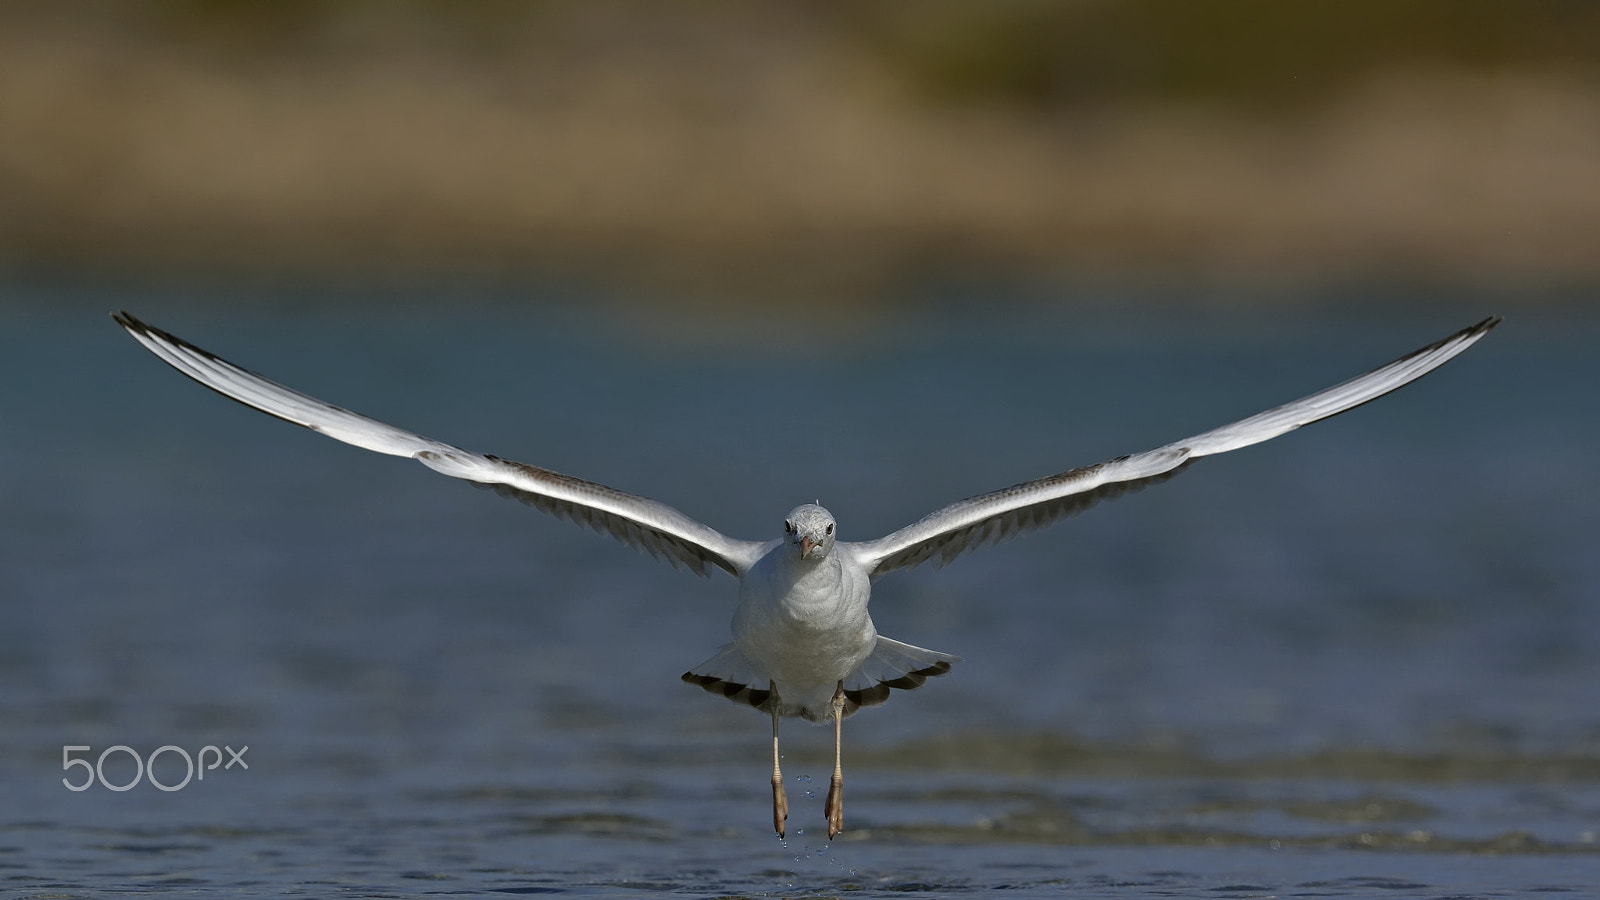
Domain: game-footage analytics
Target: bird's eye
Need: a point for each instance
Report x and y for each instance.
(788, 528)
(830, 528)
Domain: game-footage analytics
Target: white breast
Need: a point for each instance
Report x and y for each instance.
(805, 625)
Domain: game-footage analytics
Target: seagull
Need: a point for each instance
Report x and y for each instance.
(803, 642)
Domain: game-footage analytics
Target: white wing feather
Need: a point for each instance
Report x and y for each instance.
(978, 521)
(647, 525)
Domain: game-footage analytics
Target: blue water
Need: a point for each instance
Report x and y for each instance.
(1360, 660)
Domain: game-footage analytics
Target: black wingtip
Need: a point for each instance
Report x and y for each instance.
(1470, 333)
(136, 326)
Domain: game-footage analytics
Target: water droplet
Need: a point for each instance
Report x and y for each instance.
(799, 831)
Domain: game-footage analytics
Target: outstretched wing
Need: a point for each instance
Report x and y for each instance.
(647, 525)
(978, 521)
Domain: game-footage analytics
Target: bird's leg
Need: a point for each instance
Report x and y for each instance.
(780, 802)
(834, 808)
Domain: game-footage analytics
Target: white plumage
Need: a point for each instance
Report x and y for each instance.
(803, 642)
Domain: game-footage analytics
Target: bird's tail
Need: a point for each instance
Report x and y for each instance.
(732, 674)
(893, 665)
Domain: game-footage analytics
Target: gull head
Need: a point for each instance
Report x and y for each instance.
(809, 530)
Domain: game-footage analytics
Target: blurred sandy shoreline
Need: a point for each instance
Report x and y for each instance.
(754, 149)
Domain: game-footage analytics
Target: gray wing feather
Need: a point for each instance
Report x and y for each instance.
(644, 524)
(979, 521)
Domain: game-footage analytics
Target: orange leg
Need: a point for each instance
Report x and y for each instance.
(834, 809)
(780, 802)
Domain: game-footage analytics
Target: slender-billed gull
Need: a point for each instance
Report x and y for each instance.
(803, 643)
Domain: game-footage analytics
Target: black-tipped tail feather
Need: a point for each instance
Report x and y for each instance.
(891, 666)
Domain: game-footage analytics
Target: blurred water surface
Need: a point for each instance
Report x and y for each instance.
(1358, 660)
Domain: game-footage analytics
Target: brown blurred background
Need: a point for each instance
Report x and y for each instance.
(723, 148)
